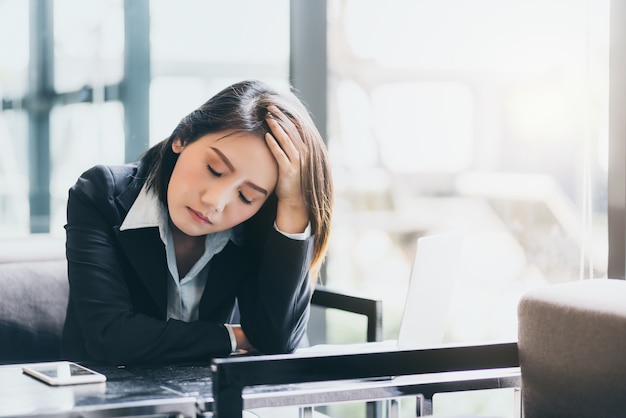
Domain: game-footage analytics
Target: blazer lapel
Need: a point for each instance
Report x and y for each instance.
(146, 253)
(225, 275)
(143, 247)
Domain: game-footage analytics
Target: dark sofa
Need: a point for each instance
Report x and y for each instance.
(34, 293)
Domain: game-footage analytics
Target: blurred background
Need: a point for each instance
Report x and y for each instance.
(484, 117)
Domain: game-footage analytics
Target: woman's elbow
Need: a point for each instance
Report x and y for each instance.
(280, 341)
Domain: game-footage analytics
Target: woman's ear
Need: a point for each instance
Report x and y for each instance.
(177, 145)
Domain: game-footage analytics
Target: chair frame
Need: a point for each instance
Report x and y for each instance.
(372, 309)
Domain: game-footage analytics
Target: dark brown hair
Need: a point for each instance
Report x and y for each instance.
(243, 107)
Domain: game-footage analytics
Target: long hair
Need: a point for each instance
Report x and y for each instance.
(243, 107)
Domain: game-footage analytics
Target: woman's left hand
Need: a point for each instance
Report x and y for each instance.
(292, 215)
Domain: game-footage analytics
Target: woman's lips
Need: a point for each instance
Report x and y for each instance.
(199, 216)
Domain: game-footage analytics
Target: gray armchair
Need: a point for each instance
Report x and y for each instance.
(572, 349)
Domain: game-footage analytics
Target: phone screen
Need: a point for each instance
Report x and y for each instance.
(63, 373)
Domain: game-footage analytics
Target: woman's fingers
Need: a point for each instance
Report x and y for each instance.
(287, 143)
(287, 156)
(284, 142)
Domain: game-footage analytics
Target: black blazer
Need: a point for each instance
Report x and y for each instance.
(118, 283)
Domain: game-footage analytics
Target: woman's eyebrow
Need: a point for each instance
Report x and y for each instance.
(224, 158)
(232, 168)
(257, 188)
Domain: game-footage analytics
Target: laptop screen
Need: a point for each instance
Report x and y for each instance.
(434, 273)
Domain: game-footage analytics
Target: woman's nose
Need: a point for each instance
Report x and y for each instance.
(215, 198)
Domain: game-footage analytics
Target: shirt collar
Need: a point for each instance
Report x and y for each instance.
(144, 213)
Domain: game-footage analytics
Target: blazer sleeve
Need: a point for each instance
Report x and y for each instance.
(103, 299)
(274, 303)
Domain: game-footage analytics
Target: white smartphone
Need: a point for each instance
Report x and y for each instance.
(59, 373)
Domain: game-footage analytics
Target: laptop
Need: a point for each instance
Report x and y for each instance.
(434, 274)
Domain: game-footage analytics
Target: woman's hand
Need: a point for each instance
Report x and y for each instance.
(292, 214)
(243, 345)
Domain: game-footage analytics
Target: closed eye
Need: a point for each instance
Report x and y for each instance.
(214, 172)
(244, 199)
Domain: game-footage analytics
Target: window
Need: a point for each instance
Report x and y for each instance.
(485, 117)
(14, 39)
(200, 47)
(79, 79)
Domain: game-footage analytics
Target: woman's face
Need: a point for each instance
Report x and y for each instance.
(219, 181)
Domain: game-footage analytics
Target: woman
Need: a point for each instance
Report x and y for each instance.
(235, 206)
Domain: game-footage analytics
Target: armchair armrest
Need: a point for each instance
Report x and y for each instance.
(370, 308)
(231, 375)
